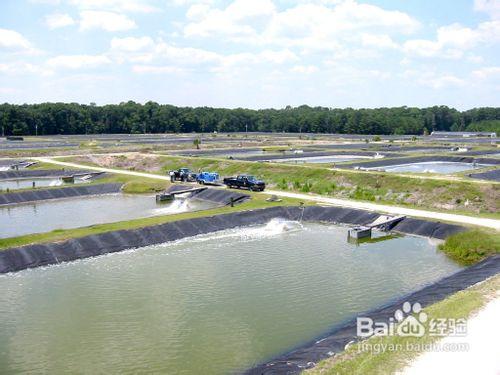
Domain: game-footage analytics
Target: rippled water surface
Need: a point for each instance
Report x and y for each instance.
(213, 304)
(44, 216)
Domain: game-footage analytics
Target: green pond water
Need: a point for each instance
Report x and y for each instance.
(211, 304)
(39, 182)
(48, 215)
(322, 159)
(432, 167)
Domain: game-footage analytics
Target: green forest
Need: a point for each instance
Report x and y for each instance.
(131, 117)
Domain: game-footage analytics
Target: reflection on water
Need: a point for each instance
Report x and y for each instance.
(239, 153)
(322, 159)
(76, 212)
(39, 182)
(432, 167)
(212, 304)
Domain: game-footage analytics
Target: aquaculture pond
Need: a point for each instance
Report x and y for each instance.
(245, 153)
(211, 304)
(322, 159)
(441, 167)
(44, 216)
(241, 153)
(39, 182)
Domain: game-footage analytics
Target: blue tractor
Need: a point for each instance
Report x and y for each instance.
(210, 178)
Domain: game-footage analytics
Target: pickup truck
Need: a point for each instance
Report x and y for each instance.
(182, 174)
(245, 181)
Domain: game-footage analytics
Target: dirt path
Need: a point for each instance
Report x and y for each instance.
(455, 218)
(462, 219)
(101, 169)
(482, 355)
(424, 177)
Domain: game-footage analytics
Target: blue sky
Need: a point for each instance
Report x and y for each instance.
(252, 53)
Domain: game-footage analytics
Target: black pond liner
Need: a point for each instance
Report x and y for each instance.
(307, 154)
(294, 361)
(420, 159)
(35, 145)
(481, 152)
(29, 256)
(307, 355)
(11, 162)
(493, 175)
(221, 197)
(57, 193)
(40, 173)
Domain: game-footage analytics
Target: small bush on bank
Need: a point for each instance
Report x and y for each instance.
(362, 194)
(143, 187)
(471, 246)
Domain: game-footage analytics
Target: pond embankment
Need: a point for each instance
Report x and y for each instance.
(57, 193)
(36, 255)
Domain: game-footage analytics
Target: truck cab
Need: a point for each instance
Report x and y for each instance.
(245, 181)
(183, 174)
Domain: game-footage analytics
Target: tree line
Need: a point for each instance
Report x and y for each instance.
(151, 117)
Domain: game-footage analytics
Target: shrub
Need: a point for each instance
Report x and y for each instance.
(471, 246)
(306, 188)
(362, 194)
(283, 184)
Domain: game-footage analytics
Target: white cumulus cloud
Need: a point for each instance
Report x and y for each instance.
(21, 67)
(487, 72)
(78, 61)
(492, 7)
(152, 69)
(132, 6)
(453, 40)
(108, 21)
(14, 40)
(304, 69)
(316, 25)
(131, 44)
(57, 20)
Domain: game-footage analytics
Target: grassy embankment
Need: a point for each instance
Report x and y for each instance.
(295, 178)
(439, 195)
(359, 359)
(471, 246)
(257, 201)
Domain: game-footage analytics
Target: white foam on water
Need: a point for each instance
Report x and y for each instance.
(56, 183)
(274, 227)
(3, 169)
(177, 206)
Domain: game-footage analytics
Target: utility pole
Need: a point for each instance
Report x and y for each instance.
(36, 130)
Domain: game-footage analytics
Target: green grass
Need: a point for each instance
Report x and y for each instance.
(354, 361)
(257, 201)
(438, 195)
(144, 187)
(471, 246)
(135, 185)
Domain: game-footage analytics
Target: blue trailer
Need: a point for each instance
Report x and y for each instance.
(211, 178)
